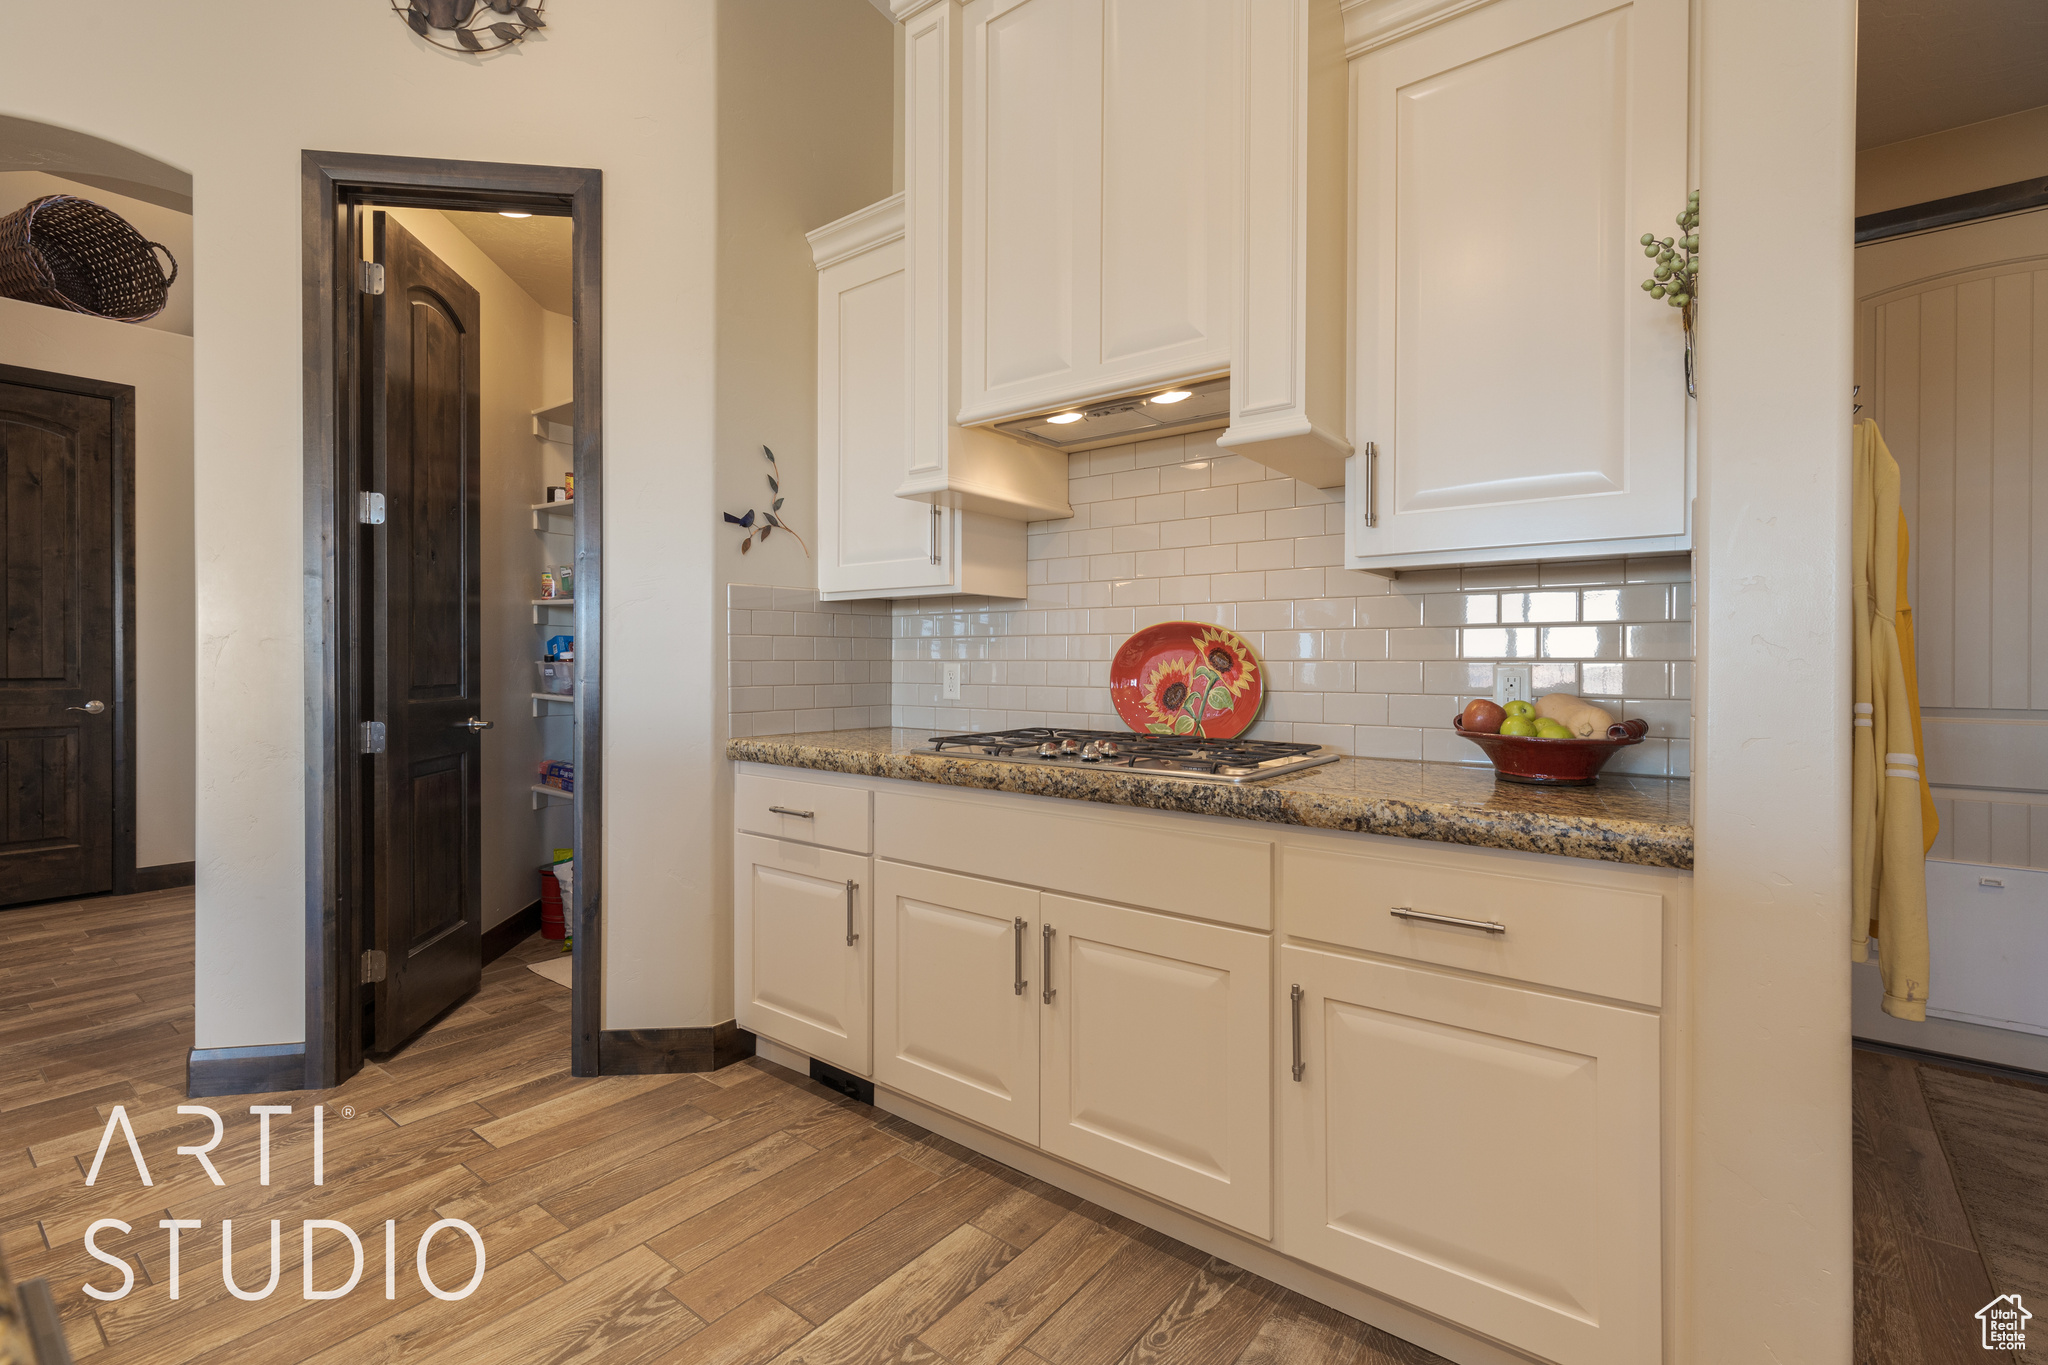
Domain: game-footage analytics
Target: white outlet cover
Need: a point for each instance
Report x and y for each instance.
(1511, 683)
(949, 682)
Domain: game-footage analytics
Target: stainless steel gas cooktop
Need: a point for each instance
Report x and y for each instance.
(1188, 756)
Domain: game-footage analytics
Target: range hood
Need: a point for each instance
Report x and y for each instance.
(1118, 421)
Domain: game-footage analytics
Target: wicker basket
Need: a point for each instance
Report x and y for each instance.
(68, 252)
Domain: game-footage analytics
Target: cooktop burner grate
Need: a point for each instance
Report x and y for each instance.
(1214, 760)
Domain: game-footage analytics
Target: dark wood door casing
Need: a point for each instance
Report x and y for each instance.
(60, 642)
(425, 677)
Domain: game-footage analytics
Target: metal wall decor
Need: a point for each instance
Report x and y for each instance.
(476, 26)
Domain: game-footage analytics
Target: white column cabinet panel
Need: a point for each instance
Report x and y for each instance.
(1096, 178)
(1154, 1057)
(872, 542)
(1486, 1153)
(798, 978)
(1525, 399)
(956, 999)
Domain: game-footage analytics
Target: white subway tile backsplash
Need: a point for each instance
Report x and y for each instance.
(1173, 529)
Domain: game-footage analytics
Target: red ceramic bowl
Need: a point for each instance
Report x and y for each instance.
(1553, 762)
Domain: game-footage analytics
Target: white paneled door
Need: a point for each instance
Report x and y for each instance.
(800, 947)
(956, 999)
(1096, 179)
(1519, 388)
(1154, 1056)
(1484, 1152)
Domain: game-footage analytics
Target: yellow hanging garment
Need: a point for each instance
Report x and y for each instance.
(1889, 877)
(1930, 818)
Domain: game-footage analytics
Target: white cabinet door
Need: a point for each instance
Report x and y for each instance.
(1096, 180)
(1154, 1056)
(956, 1009)
(1524, 396)
(800, 947)
(1486, 1153)
(868, 538)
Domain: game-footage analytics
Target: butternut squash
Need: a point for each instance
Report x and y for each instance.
(1581, 717)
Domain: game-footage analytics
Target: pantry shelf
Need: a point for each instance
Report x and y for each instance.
(540, 602)
(551, 793)
(539, 697)
(543, 510)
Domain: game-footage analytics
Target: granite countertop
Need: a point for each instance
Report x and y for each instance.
(1624, 819)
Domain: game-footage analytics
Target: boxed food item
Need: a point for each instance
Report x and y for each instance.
(561, 776)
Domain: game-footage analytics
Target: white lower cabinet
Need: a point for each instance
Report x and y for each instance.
(956, 1004)
(1484, 1152)
(800, 947)
(1154, 1058)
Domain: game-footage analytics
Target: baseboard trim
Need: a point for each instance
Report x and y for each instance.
(266, 1070)
(508, 933)
(164, 876)
(660, 1051)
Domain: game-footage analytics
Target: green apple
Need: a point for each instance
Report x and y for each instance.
(1546, 728)
(1520, 710)
(1518, 725)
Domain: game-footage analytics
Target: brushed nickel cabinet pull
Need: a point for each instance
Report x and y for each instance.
(1294, 998)
(851, 936)
(1020, 983)
(1045, 990)
(799, 814)
(1487, 925)
(1372, 484)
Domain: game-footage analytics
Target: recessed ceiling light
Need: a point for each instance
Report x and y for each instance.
(1171, 396)
(507, 213)
(1060, 419)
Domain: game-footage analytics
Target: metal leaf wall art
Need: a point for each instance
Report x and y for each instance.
(759, 527)
(471, 23)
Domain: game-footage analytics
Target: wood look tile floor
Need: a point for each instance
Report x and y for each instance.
(747, 1217)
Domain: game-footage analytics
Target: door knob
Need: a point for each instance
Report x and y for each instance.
(473, 725)
(91, 708)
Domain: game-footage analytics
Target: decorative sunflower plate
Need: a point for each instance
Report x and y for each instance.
(1186, 678)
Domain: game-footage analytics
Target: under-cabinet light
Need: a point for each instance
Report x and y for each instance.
(1172, 396)
(1060, 419)
(507, 213)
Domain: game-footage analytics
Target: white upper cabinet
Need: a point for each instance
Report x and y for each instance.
(1095, 199)
(1524, 398)
(871, 542)
(1287, 377)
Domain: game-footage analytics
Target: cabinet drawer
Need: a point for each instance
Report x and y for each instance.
(1554, 931)
(813, 812)
(1182, 865)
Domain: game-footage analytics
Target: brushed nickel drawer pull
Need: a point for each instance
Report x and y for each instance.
(1020, 983)
(1045, 990)
(1404, 912)
(1295, 997)
(851, 937)
(799, 814)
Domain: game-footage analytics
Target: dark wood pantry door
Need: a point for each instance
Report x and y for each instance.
(58, 653)
(426, 850)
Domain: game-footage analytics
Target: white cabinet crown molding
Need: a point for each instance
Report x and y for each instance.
(861, 230)
(910, 9)
(1375, 23)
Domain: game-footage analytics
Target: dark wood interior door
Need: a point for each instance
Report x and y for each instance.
(57, 660)
(426, 850)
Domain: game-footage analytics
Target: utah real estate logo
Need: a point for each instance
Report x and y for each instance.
(2005, 1323)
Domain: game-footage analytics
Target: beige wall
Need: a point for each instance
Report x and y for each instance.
(156, 224)
(159, 365)
(1765, 1273)
(1955, 161)
(805, 135)
(233, 92)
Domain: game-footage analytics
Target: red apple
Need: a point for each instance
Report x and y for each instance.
(1482, 716)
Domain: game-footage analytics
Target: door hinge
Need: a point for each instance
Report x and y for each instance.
(373, 278)
(373, 966)
(370, 509)
(373, 737)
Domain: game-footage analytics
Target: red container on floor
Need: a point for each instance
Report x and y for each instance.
(551, 922)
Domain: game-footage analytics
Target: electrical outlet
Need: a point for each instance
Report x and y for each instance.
(949, 681)
(1511, 683)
